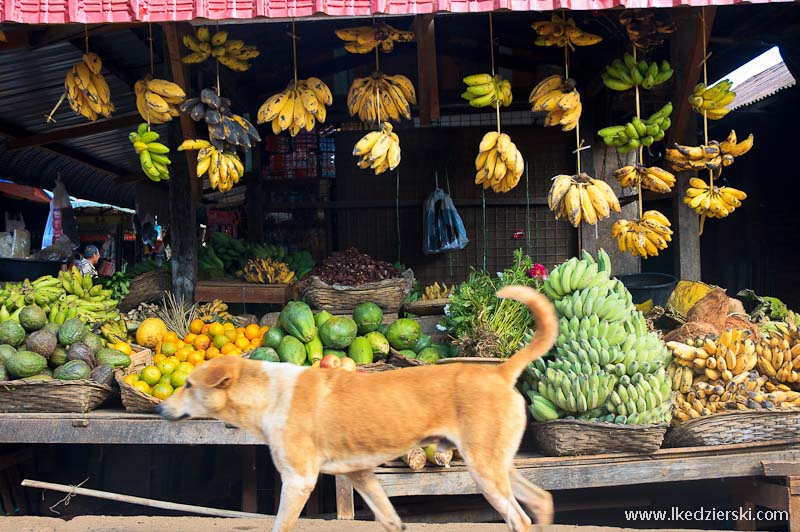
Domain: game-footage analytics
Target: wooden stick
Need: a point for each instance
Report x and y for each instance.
(153, 503)
(415, 458)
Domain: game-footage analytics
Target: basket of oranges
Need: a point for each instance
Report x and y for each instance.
(154, 376)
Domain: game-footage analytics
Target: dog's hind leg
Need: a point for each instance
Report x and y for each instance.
(295, 492)
(538, 501)
(367, 485)
(490, 472)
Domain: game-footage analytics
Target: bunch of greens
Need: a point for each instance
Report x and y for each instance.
(119, 284)
(484, 325)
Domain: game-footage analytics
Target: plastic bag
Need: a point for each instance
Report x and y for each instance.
(442, 225)
(21, 244)
(60, 250)
(60, 200)
(6, 242)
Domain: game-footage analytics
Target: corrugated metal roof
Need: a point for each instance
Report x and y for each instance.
(762, 85)
(104, 11)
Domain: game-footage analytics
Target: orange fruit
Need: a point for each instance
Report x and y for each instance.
(158, 357)
(189, 338)
(242, 343)
(183, 352)
(220, 340)
(196, 326)
(215, 329)
(255, 343)
(181, 343)
(195, 358)
(228, 326)
(131, 379)
(162, 390)
(166, 367)
(227, 348)
(142, 387)
(185, 367)
(170, 337)
(236, 352)
(240, 331)
(175, 360)
(212, 352)
(264, 329)
(168, 348)
(123, 347)
(202, 352)
(202, 342)
(252, 331)
(178, 379)
(150, 375)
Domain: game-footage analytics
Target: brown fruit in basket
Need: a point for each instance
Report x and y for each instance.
(712, 309)
(690, 331)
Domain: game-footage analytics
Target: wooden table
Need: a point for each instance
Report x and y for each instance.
(773, 460)
(241, 292)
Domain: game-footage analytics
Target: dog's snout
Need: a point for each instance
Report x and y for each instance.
(160, 410)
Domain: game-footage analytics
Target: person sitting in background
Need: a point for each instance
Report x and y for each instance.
(91, 256)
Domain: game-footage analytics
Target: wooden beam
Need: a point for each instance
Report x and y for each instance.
(173, 35)
(71, 132)
(52, 34)
(425, 28)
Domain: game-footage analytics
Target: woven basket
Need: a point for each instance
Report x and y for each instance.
(394, 360)
(572, 437)
(736, 427)
(429, 307)
(132, 399)
(146, 288)
(336, 299)
(53, 396)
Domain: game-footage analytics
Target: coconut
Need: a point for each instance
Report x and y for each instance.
(690, 331)
(736, 307)
(743, 324)
(712, 309)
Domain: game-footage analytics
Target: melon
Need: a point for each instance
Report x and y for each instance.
(150, 332)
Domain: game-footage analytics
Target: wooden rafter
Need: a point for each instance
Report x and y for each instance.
(425, 28)
(72, 132)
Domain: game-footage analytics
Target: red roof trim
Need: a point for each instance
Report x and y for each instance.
(107, 11)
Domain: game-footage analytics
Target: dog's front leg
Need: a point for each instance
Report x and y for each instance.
(295, 492)
(373, 494)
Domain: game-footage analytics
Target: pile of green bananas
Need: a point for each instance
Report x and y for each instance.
(115, 330)
(69, 295)
(301, 263)
(209, 263)
(712, 100)
(152, 154)
(626, 73)
(638, 132)
(484, 90)
(606, 366)
(229, 250)
(265, 251)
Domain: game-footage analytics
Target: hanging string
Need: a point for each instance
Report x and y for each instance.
(485, 233)
(294, 52)
(219, 90)
(528, 210)
(397, 212)
(705, 112)
(449, 255)
(152, 60)
(497, 114)
(377, 85)
(86, 37)
(641, 148)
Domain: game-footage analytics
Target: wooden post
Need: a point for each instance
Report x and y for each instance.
(687, 56)
(249, 479)
(185, 187)
(345, 506)
(425, 30)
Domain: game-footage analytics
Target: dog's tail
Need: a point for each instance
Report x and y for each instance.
(546, 320)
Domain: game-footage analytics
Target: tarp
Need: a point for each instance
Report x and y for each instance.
(23, 192)
(106, 11)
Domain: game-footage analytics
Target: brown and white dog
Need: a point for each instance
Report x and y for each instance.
(344, 423)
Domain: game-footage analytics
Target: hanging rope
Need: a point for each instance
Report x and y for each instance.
(397, 212)
(497, 116)
(528, 211)
(152, 60)
(705, 112)
(449, 255)
(219, 89)
(86, 37)
(294, 51)
(641, 148)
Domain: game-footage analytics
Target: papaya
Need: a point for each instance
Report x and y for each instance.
(72, 331)
(423, 342)
(265, 353)
(404, 334)
(113, 358)
(368, 316)
(321, 317)
(93, 341)
(272, 338)
(429, 355)
(32, 318)
(3, 373)
(42, 342)
(58, 357)
(25, 364)
(408, 353)
(379, 343)
(297, 319)
(12, 333)
(73, 370)
(360, 351)
(336, 352)
(103, 374)
(338, 332)
(291, 350)
(383, 328)
(314, 349)
(444, 351)
(6, 351)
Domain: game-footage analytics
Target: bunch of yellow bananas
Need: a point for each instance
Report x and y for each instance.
(712, 156)
(716, 202)
(233, 54)
(379, 150)
(581, 198)
(559, 98)
(643, 238)
(437, 291)
(484, 90)
(646, 27)
(300, 106)
(723, 357)
(779, 354)
(214, 310)
(712, 100)
(87, 90)
(152, 154)
(158, 99)
(560, 32)
(224, 168)
(364, 39)
(381, 97)
(651, 178)
(267, 271)
(499, 163)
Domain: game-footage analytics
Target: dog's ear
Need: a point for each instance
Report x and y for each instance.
(221, 375)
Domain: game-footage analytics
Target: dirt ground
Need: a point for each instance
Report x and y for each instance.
(204, 524)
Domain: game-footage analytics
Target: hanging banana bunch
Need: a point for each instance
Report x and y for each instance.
(379, 150)
(86, 89)
(300, 106)
(233, 54)
(381, 97)
(158, 99)
(364, 39)
(560, 32)
(224, 167)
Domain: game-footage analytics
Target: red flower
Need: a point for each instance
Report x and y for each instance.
(538, 272)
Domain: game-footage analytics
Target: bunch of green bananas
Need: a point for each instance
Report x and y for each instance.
(605, 366)
(301, 262)
(234, 54)
(265, 251)
(638, 132)
(228, 249)
(43, 292)
(624, 74)
(484, 90)
(114, 330)
(712, 101)
(152, 154)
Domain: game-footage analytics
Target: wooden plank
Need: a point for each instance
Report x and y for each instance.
(780, 469)
(594, 475)
(769, 495)
(72, 132)
(241, 292)
(249, 480)
(345, 505)
(173, 34)
(425, 29)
